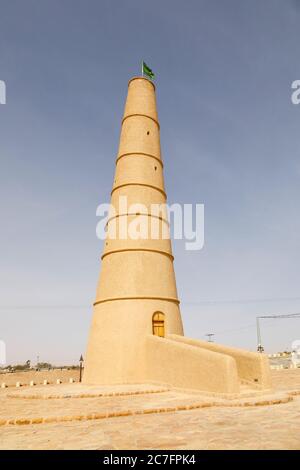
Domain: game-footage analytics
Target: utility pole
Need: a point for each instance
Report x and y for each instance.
(210, 335)
(259, 345)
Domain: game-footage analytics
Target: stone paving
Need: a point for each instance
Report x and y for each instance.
(151, 417)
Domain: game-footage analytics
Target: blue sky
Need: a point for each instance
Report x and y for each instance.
(230, 140)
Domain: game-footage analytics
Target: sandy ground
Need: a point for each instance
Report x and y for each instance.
(220, 424)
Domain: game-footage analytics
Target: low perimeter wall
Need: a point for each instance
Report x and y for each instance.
(252, 367)
(183, 365)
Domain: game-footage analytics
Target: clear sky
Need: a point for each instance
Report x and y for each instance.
(230, 140)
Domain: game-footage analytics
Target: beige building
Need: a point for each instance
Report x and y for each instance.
(136, 334)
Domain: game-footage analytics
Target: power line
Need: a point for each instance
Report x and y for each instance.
(241, 301)
(289, 315)
(201, 302)
(50, 307)
(246, 327)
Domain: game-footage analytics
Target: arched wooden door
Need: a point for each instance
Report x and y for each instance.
(158, 324)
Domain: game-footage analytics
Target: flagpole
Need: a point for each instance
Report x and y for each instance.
(142, 69)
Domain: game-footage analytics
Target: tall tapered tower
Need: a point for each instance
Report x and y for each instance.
(136, 293)
(136, 333)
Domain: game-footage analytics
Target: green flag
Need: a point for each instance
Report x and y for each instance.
(147, 71)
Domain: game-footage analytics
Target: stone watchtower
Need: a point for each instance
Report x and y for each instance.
(136, 333)
(137, 290)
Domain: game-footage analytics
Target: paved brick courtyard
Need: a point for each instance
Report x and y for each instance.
(73, 416)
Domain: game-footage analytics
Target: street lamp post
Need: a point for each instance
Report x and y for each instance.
(259, 345)
(80, 368)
